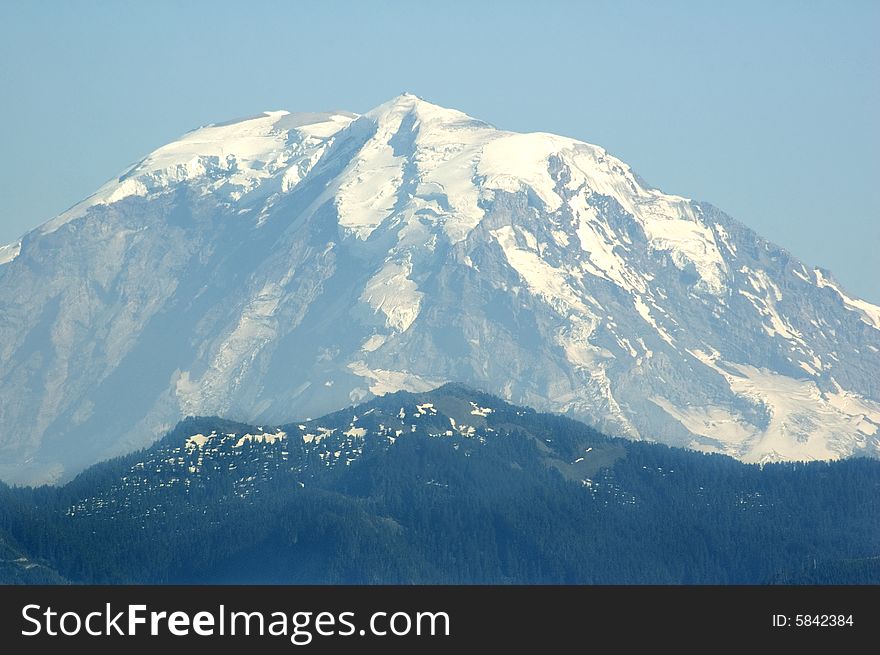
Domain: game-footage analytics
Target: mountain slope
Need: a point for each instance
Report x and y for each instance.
(446, 486)
(17, 568)
(298, 263)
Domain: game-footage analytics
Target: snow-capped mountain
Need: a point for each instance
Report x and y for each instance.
(449, 486)
(288, 265)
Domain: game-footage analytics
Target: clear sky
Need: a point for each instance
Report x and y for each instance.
(769, 110)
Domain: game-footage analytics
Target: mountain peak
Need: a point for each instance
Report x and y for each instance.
(405, 101)
(409, 104)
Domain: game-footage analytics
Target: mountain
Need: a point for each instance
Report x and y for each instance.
(449, 486)
(294, 264)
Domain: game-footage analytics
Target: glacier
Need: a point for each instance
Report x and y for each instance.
(292, 264)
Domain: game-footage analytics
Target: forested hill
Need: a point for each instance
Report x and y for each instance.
(449, 486)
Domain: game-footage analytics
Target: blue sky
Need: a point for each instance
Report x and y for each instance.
(768, 110)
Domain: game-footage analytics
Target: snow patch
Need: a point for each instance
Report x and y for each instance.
(257, 327)
(9, 252)
(645, 313)
(198, 441)
(480, 411)
(766, 305)
(714, 422)
(603, 261)
(262, 437)
(797, 273)
(868, 312)
(392, 293)
(374, 342)
(544, 280)
(383, 381)
(426, 408)
(725, 239)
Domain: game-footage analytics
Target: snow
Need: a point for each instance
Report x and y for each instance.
(725, 239)
(668, 221)
(710, 421)
(520, 162)
(575, 341)
(868, 312)
(866, 413)
(591, 361)
(382, 381)
(479, 411)
(369, 191)
(587, 258)
(374, 342)
(689, 242)
(645, 313)
(426, 408)
(257, 327)
(560, 237)
(9, 252)
(452, 162)
(436, 177)
(546, 281)
(603, 261)
(804, 422)
(198, 441)
(263, 437)
(767, 305)
(514, 162)
(801, 275)
(467, 430)
(230, 158)
(299, 167)
(355, 432)
(392, 293)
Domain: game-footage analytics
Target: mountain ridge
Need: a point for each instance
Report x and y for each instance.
(446, 486)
